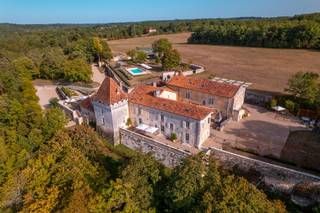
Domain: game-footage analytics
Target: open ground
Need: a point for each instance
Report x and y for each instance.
(264, 132)
(268, 69)
(46, 90)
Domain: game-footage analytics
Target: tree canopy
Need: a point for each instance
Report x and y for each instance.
(169, 57)
(77, 70)
(305, 85)
(137, 56)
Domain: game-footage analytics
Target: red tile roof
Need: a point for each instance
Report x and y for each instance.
(109, 92)
(144, 95)
(205, 86)
(87, 104)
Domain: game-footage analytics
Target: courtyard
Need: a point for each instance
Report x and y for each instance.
(264, 132)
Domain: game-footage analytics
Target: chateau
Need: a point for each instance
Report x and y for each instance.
(183, 110)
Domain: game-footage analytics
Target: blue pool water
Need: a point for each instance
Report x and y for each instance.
(136, 71)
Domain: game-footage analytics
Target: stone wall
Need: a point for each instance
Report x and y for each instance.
(258, 97)
(166, 154)
(274, 177)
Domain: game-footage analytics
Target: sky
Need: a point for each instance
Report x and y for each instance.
(108, 11)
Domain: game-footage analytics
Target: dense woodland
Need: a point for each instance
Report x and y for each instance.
(45, 167)
(296, 32)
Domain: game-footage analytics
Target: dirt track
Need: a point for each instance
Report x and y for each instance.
(268, 69)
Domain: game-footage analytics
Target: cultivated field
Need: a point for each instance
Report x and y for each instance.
(268, 69)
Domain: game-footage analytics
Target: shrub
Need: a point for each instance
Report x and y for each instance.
(290, 105)
(54, 102)
(273, 103)
(173, 136)
(68, 92)
(129, 122)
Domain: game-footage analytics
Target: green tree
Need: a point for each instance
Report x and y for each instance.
(170, 60)
(97, 48)
(185, 183)
(54, 102)
(54, 121)
(116, 198)
(304, 85)
(51, 66)
(77, 70)
(162, 46)
(143, 173)
(100, 49)
(106, 51)
(26, 67)
(137, 56)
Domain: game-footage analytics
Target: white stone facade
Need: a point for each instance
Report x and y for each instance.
(187, 130)
(110, 118)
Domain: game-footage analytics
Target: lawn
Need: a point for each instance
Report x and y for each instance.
(268, 69)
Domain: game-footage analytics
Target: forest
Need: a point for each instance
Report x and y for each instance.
(45, 167)
(297, 32)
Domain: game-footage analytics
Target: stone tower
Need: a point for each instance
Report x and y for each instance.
(111, 109)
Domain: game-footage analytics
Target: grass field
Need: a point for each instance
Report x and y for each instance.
(267, 69)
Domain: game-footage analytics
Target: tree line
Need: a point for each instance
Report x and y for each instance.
(297, 32)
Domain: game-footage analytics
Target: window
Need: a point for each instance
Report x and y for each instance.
(162, 118)
(140, 121)
(204, 102)
(209, 120)
(188, 95)
(171, 127)
(187, 137)
(162, 128)
(102, 121)
(188, 124)
(139, 111)
(210, 101)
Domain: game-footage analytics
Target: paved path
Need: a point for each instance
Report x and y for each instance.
(97, 76)
(45, 93)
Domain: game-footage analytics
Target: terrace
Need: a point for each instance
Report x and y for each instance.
(151, 133)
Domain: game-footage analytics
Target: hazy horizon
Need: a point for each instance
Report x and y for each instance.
(104, 12)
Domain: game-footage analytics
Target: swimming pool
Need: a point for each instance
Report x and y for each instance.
(136, 71)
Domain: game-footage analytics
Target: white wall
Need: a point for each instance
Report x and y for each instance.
(198, 130)
(110, 118)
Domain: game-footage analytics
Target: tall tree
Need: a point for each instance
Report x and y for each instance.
(101, 49)
(143, 173)
(305, 85)
(171, 59)
(162, 46)
(77, 70)
(26, 67)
